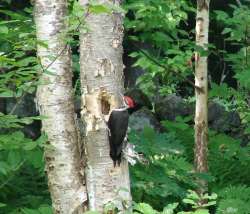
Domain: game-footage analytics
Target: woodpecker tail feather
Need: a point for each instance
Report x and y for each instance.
(116, 158)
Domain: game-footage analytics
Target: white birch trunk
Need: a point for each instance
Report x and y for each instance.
(102, 85)
(55, 100)
(201, 124)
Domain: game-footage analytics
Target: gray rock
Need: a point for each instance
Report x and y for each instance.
(221, 120)
(24, 108)
(215, 111)
(171, 106)
(143, 118)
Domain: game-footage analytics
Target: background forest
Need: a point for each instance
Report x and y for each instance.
(159, 46)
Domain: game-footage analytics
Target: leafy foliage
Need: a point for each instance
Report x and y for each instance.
(22, 178)
(234, 199)
(236, 32)
(229, 162)
(155, 29)
(163, 39)
(191, 198)
(166, 174)
(17, 47)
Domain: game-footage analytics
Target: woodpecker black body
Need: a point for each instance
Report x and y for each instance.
(118, 125)
(118, 122)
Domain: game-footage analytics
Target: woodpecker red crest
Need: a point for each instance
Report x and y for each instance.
(129, 101)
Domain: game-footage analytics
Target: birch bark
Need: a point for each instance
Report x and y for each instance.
(201, 124)
(102, 85)
(55, 101)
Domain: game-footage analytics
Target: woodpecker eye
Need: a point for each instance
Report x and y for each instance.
(129, 101)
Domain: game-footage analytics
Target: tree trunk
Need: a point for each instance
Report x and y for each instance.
(201, 124)
(102, 85)
(55, 100)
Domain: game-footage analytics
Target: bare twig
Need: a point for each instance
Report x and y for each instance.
(223, 74)
(36, 78)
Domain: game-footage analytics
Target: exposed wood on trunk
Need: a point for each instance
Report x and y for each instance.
(102, 85)
(201, 124)
(55, 101)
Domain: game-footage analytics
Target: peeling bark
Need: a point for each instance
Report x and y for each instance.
(102, 85)
(201, 123)
(55, 101)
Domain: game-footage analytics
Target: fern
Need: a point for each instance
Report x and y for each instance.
(229, 162)
(234, 199)
(167, 174)
(233, 206)
(236, 192)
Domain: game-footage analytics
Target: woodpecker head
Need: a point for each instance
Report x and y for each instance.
(139, 100)
(129, 102)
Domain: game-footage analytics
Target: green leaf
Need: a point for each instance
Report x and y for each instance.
(144, 208)
(26, 120)
(29, 211)
(201, 211)
(134, 54)
(221, 90)
(244, 78)
(221, 15)
(213, 196)
(226, 30)
(30, 145)
(35, 158)
(26, 61)
(169, 209)
(45, 209)
(99, 8)
(49, 72)
(7, 93)
(4, 30)
(4, 168)
(14, 158)
(210, 203)
(247, 130)
(3, 205)
(189, 201)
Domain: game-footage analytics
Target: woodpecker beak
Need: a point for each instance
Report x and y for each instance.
(125, 104)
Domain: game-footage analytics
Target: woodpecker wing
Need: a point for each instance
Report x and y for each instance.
(118, 125)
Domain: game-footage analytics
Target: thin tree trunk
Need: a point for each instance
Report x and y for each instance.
(201, 124)
(102, 85)
(55, 100)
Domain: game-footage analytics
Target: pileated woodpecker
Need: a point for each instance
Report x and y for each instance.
(118, 125)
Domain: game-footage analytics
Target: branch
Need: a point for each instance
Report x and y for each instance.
(36, 78)
(166, 69)
(239, 3)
